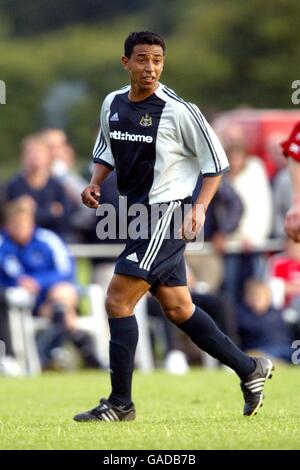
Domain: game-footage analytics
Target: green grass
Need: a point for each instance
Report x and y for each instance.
(201, 410)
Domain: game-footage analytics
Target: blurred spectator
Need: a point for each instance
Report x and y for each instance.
(283, 274)
(53, 207)
(38, 261)
(283, 198)
(261, 326)
(248, 178)
(274, 152)
(82, 219)
(63, 168)
(230, 134)
(223, 215)
(56, 141)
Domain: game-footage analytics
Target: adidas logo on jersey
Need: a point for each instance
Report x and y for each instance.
(132, 257)
(118, 135)
(114, 117)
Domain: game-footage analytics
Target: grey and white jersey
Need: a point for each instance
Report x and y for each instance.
(158, 146)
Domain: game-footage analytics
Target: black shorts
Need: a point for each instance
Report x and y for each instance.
(159, 257)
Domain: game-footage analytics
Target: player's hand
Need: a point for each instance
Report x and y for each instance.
(193, 222)
(292, 222)
(90, 196)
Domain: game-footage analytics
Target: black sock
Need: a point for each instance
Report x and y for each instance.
(123, 340)
(204, 333)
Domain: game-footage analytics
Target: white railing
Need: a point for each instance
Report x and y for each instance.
(113, 250)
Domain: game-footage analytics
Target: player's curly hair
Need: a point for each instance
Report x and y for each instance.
(142, 37)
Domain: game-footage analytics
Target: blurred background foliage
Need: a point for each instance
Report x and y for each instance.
(220, 55)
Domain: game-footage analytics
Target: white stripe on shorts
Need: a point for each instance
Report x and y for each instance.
(158, 237)
(154, 237)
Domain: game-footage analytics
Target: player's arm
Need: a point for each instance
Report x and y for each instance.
(194, 220)
(292, 220)
(203, 143)
(90, 195)
(209, 188)
(103, 160)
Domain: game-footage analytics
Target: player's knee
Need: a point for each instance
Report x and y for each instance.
(178, 313)
(117, 307)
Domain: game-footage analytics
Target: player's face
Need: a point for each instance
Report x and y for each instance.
(145, 66)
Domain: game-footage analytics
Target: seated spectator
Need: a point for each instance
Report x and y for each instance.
(222, 218)
(249, 179)
(37, 260)
(283, 276)
(223, 215)
(261, 326)
(283, 199)
(82, 219)
(53, 207)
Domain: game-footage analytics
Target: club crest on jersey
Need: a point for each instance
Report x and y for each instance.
(146, 121)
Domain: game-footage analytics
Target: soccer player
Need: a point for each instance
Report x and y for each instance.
(158, 144)
(291, 148)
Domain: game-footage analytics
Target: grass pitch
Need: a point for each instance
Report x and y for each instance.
(201, 410)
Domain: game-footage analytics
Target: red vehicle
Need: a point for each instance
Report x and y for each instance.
(262, 131)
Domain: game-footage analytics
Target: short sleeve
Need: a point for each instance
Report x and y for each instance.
(199, 138)
(102, 151)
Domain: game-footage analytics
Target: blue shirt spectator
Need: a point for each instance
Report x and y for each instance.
(44, 258)
(37, 260)
(261, 326)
